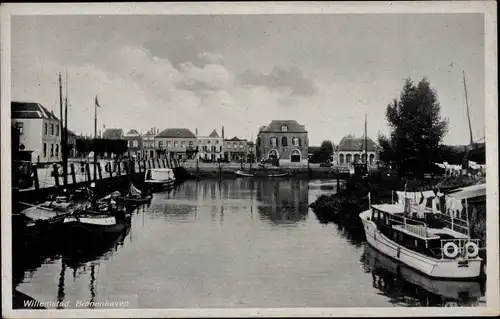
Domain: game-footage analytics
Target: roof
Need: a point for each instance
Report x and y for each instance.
(176, 133)
(214, 134)
(469, 191)
(293, 126)
(113, 133)
(30, 110)
(357, 144)
(390, 208)
(132, 132)
(235, 139)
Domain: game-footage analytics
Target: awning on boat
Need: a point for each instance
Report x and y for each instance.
(469, 191)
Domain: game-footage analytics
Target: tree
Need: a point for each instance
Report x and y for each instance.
(417, 130)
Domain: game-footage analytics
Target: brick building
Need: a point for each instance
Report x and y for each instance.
(284, 141)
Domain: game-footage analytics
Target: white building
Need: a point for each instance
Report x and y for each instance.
(39, 130)
(210, 148)
(352, 150)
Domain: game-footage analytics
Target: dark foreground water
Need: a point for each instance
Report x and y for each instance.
(238, 243)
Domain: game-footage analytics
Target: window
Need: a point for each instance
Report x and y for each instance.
(208, 142)
(45, 128)
(216, 141)
(356, 158)
(296, 141)
(20, 127)
(176, 144)
(348, 159)
(44, 149)
(341, 159)
(191, 143)
(183, 144)
(135, 143)
(57, 150)
(228, 145)
(51, 150)
(372, 158)
(51, 129)
(168, 144)
(57, 129)
(241, 146)
(284, 141)
(160, 144)
(284, 128)
(274, 141)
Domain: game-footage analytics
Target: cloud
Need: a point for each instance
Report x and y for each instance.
(211, 77)
(280, 78)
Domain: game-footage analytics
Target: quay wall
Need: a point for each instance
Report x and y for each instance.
(295, 172)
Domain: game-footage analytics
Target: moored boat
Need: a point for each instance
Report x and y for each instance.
(48, 216)
(243, 174)
(134, 197)
(436, 244)
(159, 178)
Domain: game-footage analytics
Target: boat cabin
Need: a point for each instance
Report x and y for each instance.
(423, 230)
(160, 174)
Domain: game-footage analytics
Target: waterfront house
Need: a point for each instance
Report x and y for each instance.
(283, 141)
(236, 149)
(134, 143)
(352, 150)
(148, 144)
(210, 148)
(39, 131)
(176, 143)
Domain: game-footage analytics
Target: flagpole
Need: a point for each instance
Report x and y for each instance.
(94, 198)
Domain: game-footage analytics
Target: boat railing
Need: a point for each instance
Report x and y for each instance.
(460, 243)
(411, 225)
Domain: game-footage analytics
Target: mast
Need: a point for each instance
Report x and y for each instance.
(95, 153)
(366, 142)
(468, 112)
(65, 135)
(61, 123)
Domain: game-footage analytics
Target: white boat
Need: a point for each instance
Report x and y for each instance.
(243, 174)
(159, 178)
(428, 241)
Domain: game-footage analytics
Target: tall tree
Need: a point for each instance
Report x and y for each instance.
(417, 129)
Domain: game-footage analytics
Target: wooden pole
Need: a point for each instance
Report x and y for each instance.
(55, 172)
(119, 166)
(72, 169)
(110, 169)
(34, 167)
(99, 170)
(87, 169)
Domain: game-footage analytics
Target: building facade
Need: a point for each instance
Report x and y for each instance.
(148, 144)
(284, 142)
(235, 150)
(175, 143)
(352, 150)
(210, 148)
(134, 143)
(39, 131)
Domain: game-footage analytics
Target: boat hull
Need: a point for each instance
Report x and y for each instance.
(432, 267)
(159, 185)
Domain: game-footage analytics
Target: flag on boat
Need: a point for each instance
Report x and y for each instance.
(97, 102)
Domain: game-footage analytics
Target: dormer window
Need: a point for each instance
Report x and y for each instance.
(284, 128)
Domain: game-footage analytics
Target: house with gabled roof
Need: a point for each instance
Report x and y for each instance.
(211, 147)
(351, 150)
(283, 142)
(176, 143)
(236, 150)
(134, 142)
(39, 131)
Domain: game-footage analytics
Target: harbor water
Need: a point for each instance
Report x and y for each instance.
(233, 243)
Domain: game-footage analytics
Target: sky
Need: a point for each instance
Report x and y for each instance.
(326, 71)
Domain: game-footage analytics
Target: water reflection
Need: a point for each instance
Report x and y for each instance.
(277, 201)
(283, 202)
(405, 286)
